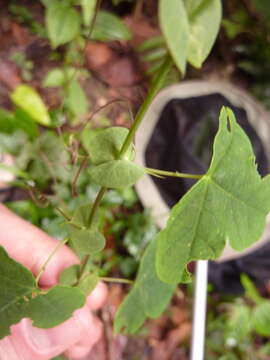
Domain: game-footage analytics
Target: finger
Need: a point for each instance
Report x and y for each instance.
(85, 344)
(98, 297)
(30, 343)
(30, 246)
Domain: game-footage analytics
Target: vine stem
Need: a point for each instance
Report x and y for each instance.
(172, 173)
(95, 206)
(157, 84)
(91, 216)
(116, 280)
(43, 267)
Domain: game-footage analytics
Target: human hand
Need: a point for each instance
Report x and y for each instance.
(76, 336)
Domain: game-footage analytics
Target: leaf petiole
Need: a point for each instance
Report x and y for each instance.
(43, 267)
(116, 280)
(163, 173)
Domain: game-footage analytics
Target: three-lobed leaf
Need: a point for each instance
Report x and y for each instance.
(228, 204)
(148, 297)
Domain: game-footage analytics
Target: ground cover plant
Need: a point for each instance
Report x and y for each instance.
(68, 158)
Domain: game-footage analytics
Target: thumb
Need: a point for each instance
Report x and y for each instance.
(31, 343)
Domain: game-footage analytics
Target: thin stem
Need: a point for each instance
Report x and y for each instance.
(157, 84)
(43, 267)
(116, 280)
(171, 173)
(95, 206)
(74, 182)
(92, 214)
(61, 211)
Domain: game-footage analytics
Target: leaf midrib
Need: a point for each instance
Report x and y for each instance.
(230, 194)
(17, 299)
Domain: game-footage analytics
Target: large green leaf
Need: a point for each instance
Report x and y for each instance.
(17, 286)
(228, 204)
(63, 22)
(110, 27)
(56, 306)
(174, 24)
(105, 144)
(116, 174)
(204, 22)
(148, 297)
(27, 99)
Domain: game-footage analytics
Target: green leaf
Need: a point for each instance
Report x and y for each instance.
(26, 98)
(49, 158)
(116, 174)
(87, 284)
(54, 78)
(9, 123)
(239, 323)
(17, 286)
(228, 204)
(76, 100)
(109, 27)
(59, 77)
(86, 241)
(174, 24)
(69, 276)
(88, 10)
(105, 144)
(148, 297)
(250, 289)
(56, 306)
(261, 318)
(204, 23)
(63, 23)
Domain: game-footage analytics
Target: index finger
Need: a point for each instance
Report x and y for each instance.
(31, 247)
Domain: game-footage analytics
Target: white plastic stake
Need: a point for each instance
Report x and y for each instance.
(199, 311)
